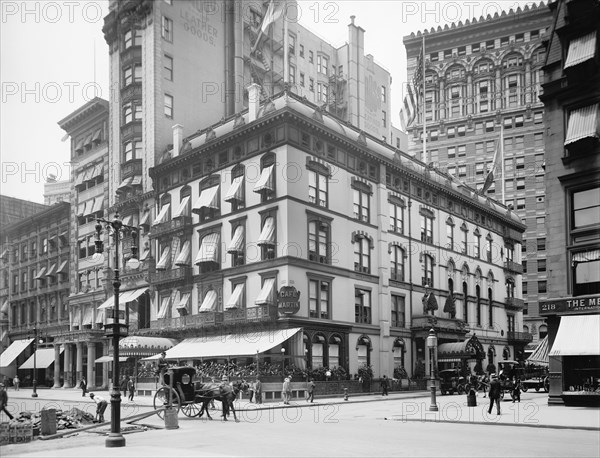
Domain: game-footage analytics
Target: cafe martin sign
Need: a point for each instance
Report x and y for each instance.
(288, 300)
(570, 304)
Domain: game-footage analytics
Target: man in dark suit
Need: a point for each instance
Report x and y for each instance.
(494, 393)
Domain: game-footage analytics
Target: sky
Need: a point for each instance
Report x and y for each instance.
(53, 59)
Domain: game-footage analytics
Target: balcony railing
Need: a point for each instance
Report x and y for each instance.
(514, 267)
(512, 234)
(519, 337)
(439, 323)
(252, 314)
(182, 222)
(130, 168)
(514, 303)
(162, 276)
(131, 91)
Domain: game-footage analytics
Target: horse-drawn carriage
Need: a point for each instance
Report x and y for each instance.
(193, 398)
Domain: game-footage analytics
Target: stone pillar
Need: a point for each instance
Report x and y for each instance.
(499, 94)
(91, 365)
(105, 366)
(79, 362)
(526, 87)
(68, 366)
(469, 97)
(442, 100)
(56, 366)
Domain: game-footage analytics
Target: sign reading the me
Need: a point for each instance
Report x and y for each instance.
(288, 300)
(571, 304)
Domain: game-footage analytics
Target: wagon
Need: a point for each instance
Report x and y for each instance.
(181, 394)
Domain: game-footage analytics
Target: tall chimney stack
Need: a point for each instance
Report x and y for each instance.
(177, 139)
(253, 101)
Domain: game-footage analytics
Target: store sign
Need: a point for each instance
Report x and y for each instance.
(288, 300)
(571, 304)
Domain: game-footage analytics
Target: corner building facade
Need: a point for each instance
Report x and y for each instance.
(285, 195)
(483, 76)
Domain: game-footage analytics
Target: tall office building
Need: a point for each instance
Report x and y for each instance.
(482, 81)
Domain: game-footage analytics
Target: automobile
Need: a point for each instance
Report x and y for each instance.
(452, 382)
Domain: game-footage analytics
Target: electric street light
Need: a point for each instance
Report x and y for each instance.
(432, 348)
(35, 346)
(117, 229)
(283, 362)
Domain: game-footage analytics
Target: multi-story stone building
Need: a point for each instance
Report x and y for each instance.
(482, 77)
(572, 99)
(56, 191)
(286, 204)
(13, 210)
(37, 267)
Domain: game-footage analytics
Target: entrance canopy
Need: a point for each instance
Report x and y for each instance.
(13, 351)
(454, 351)
(540, 354)
(577, 336)
(44, 357)
(244, 344)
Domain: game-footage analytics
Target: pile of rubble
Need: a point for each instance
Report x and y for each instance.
(72, 419)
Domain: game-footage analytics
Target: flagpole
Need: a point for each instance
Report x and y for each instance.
(502, 159)
(423, 104)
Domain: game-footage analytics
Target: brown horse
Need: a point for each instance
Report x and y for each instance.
(227, 394)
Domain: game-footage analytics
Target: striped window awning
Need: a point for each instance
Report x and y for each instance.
(209, 249)
(81, 209)
(265, 182)
(183, 209)
(125, 183)
(183, 301)
(207, 199)
(79, 178)
(97, 135)
(583, 123)
(183, 259)
(145, 218)
(581, 49)
(266, 293)
(88, 140)
(235, 190)
(62, 267)
(40, 274)
(165, 303)
(209, 302)
(162, 215)
(267, 235)
(51, 271)
(98, 204)
(79, 145)
(586, 256)
(235, 301)
(163, 263)
(237, 241)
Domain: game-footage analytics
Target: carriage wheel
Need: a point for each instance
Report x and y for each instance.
(461, 389)
(524, 388)
(161, 399)
(190, 409)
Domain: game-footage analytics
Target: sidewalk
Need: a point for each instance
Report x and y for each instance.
(532, 411)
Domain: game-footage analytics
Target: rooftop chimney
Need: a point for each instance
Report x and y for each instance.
(253, 101)
(177, 139)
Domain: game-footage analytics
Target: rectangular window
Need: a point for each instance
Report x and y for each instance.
(310, 57)
(168, 67)
(542, 287)
(292, 74)
(462, 150)
(169, 106)
(167, 29)
(384, 119)
(362, 306)
(301, 79)
(489, 126)
(586, 208)
(322, 92)
(301, 50)
(292, 43)
(383, 94)
(396, 218)
(311, 85)
(323, 65)
(317, 188)
(451, 152)
(541, 244)
(426, 229)
(520, 204)
(398, 311)
(361, 205)
(319, 294)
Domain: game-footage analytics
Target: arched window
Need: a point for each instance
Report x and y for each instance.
(427, 279)
(465, 291)
(490, 309)
(398, 351)
(266, 184)
(363, 348)
(478, 299)
(397, 263)
(510, 288)
(335, 348)
(319, 356)
(362, 254)
(236, 195)
(543, 331)
(491, 355)
(483, 66)
(450, 233)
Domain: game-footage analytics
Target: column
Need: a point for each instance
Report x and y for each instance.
(527, 89)
(68, 366)
(442, 100)
(91, 365)
(105, 366)
(499, 91)
(79, 362)
(469, 94)
(56, 366)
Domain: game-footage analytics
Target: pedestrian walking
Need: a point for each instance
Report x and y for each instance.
(516, 391)
(131, 388)
(4, 401)
(311, 391)
(101, 405)
(385, 385)
(83, 386)
(258, 391)
(250, 391)
(123, 385)
(286, 391)
(494, 393)
(16, 382)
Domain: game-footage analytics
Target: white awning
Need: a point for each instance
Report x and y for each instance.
(581, 49)
(40, 274)
(266, 180)
(13, 351)
(79, 144)
(183, 209)
(4, 308)
(235, 301)
(79, 178)
(61, 268)
(236, 189)
(164, 307)
(88, 140)
(126, 182)
(577, 336)
(124, 297)
(51, 271)
(230, 345)
(583, 123)
(100, 316)
(209, 302)
(267, 235)
(266, 293)
(98, 204)
(89, 205)
(97, 134)
(163, 264)
(145, 217)
(207, 199)
(162, 215)
(209, 249)
(87, 316)
(44, 357)
(136, 180)
(110, 359)
(183, 259)
(183, 301)
(127, 220)
(237, 241)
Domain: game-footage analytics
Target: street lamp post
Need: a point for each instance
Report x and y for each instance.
(35, 345)
(117, 229)
(432, 348)
(283, 362)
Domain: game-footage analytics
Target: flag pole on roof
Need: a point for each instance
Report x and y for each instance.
(498, 151)
(422, 64)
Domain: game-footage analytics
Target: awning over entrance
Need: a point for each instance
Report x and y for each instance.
(44, 357)
(577, 336)
(110, 359)
(540, 354)
(469, 349)
(13, 351)
(229, 345)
